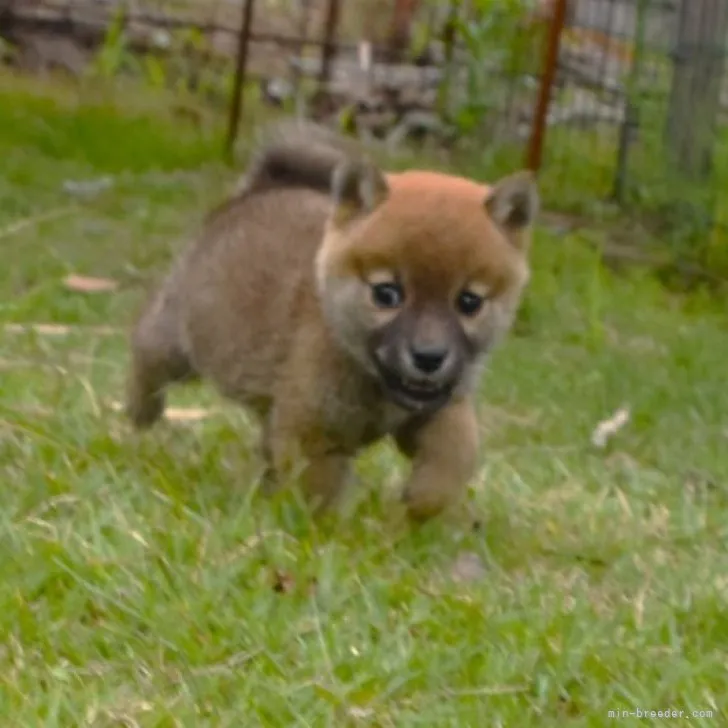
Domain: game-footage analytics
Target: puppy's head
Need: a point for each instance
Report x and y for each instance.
(420, 273)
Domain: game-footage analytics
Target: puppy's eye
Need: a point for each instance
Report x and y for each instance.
(387, 295)
(469, 303)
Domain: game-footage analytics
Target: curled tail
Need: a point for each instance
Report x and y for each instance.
(296, 153)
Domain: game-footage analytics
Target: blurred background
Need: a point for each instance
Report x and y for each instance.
(620, 104)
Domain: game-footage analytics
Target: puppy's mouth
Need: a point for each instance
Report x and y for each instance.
(415, 394)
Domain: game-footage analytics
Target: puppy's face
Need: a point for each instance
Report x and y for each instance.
(419, 276)
(422, 339)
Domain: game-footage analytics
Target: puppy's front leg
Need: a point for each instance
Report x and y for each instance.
(302, 453)
(444, 450)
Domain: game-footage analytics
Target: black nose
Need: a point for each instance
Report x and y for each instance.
(428, 359)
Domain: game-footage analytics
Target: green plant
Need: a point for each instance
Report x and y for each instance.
(499, 43)
(114, 55)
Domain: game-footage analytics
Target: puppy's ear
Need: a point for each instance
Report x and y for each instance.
(357, 188)
(513, 202)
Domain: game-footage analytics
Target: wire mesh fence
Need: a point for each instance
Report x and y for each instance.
(644, 81)
(625, 103)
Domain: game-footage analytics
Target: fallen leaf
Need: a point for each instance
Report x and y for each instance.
(139, 538)
(357, 712)
(486, 690)
(178, 414)
(283, 582)
(60, 329)
(609, 427)
(468, 566)
(186, 414)
(87, 284)
(46, 329)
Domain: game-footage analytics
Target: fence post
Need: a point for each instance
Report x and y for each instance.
(401, 28)
(699, 59)
(690, 131)
(236, 105)
(296, 75)
(630, 125)
(332, 21)
(551, 59)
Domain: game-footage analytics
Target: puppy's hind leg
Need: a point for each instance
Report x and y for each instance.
(157, 360)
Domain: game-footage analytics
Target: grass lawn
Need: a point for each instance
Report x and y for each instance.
(141, 587)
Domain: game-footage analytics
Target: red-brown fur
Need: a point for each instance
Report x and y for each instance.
(278, 303)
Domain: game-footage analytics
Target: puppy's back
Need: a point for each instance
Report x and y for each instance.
(233, 302)
(245, 282)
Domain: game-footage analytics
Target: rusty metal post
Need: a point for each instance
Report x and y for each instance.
(400, 31)
(236, 104)
(551, 59)
(329, 47)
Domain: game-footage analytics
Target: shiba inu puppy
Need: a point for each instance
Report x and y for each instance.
(343, 304)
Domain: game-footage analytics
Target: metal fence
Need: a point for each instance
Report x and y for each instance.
(612, 100)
